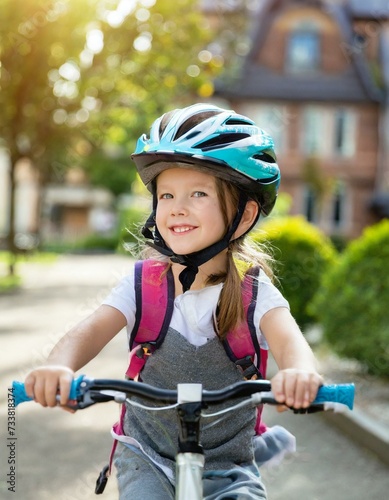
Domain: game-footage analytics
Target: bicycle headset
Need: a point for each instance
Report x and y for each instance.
(216, 141)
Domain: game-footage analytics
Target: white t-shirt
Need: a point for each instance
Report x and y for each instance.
(194, 311)
(193, 317)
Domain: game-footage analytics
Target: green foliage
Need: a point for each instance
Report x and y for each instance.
(352, 304)
(80, 79)
(92, 243)
(130, 223)
(126, 237)
(302, 255)
(282, 207)
(97, 243)
(9, 283)
(29, 257)
(114, 173)
(340, 242)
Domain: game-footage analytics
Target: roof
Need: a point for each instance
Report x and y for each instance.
(258, 81)
(369, 9)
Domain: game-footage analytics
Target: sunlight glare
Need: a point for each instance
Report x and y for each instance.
(70, 71)
(143, 42)
(95, 40)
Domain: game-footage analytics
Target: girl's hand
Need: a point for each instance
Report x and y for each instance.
(296, 388)
(43, 384)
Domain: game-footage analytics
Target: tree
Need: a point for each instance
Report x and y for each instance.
(154, 61)
(31, 49)
(81, 79)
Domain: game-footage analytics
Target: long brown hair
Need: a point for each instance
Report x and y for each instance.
(230, 310)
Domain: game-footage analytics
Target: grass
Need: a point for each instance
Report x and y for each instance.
(29, 257)
(9, 283)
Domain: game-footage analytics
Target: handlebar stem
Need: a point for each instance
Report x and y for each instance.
(189, 430)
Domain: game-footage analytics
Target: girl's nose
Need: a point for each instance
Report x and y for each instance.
(179, 207)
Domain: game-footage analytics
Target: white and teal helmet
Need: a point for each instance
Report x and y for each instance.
(218, 141)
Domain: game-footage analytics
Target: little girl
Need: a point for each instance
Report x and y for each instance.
(211, 172)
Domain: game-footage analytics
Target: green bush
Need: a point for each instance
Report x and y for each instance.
(90, 243)
(131, 221)
(9, 283)
(97, 242)
(302, 255)
(353, 303)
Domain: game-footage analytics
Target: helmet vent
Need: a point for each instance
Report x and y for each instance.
(221, 140)
(235, 121)
(264, 156)
(193, 121)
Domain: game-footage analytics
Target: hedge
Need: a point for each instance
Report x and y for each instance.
(353, 302)
(302, 255)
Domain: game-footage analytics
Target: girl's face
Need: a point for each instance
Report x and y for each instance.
(188, 215)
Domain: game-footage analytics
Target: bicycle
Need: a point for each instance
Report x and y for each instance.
(190, 401)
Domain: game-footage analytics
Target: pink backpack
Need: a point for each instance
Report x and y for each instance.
(154, 297)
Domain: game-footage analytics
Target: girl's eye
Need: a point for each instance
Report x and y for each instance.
(199, 194)
(165, 196)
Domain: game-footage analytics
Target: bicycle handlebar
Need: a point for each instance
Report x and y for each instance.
(84, 390)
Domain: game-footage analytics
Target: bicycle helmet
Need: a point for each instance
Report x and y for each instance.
(221, 143)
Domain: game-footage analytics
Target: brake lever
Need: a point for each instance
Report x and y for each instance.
(91, 398)
(313, 408)
(88, 397)
(84, 397)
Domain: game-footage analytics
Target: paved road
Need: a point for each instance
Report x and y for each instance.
(59, 454)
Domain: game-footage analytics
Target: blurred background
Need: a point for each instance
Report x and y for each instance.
(81, 80)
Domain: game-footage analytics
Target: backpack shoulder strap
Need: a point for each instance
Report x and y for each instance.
(154, 300)
(241, 344)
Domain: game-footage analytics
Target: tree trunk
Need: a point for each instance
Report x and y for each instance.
(11, 221)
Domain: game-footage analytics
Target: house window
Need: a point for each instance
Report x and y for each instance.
(314, 130)
(310, 207)
(328, 131)
(303, 51)
(274, 119)
(338, 206)
(344, 132)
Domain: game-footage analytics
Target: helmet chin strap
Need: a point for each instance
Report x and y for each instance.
(194, 260)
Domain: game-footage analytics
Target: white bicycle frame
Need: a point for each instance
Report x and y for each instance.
(189, 465)
(189, 469)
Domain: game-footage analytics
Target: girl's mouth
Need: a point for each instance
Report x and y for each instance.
(182, 229)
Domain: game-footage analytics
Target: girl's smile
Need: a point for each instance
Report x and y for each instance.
(181, 229)
(188, 215)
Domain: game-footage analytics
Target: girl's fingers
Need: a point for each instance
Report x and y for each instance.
(29, 385)
(277, 385)
(295, 388)
(39, 391)
(292, 389)
(44, 385)
(64, 384)
(51, 390)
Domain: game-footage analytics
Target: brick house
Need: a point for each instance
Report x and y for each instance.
(317, 78)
